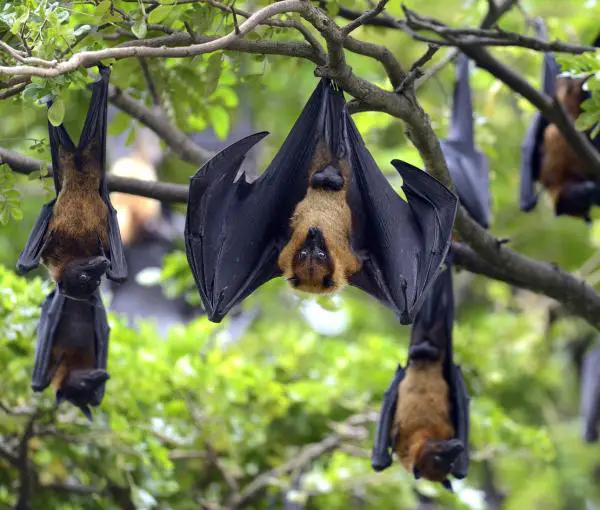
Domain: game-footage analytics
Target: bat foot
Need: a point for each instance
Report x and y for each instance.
(424, 350)
(328, 179)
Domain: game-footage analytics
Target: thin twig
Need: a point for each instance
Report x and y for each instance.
(415, 70)
(365, 17)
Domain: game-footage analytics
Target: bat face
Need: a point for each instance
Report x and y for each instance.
(312, 264)
(80, 279)
(570, 93)
(437, 459)
(80, 387)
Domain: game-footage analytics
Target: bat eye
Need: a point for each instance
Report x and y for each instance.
(327, 282)
(303, 254)
(437, 459)
(321, 255)
(84, 277)
(294, 281)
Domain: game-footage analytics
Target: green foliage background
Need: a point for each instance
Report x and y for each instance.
(260, 400)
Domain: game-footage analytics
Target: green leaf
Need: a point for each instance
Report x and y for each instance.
(333, 7)
(159, 14)
(56, 113)
(140, 28)
(213, 73)
(586, 120)
(219, 119)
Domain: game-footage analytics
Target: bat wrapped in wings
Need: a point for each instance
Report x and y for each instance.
(468, 166)
(425, 412)
(548, 157)
(76, 235)
(590, 395)
(72, 350)
(322, 215)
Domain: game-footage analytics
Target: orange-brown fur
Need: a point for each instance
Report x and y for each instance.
(133, 211)
(69, 360)
(422, 414)
(561, 165)
(329, 211)
(79, 217)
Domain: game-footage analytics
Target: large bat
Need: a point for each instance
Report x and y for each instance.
(76, 235)
(72, 350)
(322, 215)
(590, 395)
(468, 166)
(547, 157)
(425, 412)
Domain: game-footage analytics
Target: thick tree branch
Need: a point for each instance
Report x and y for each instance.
(168, 192)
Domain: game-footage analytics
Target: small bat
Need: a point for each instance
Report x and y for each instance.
(590, 395)
(76, 235)
(425, 412)
(548, 158)
(322, 215)
(72, 350)
(468, 166)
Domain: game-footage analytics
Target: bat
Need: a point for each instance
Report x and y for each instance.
(72, 350)
(322, 216)
(468, 167)
(548, 158)
(424, 416)
(590, 395)
(76, 235)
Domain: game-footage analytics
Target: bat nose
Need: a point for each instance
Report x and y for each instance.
(313, 233)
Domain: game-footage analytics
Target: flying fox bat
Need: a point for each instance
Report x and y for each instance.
(546, 155)
(425, 412)
(590, 395)
(76, 235)
(468, 166)
(72, 350)
(321, 215)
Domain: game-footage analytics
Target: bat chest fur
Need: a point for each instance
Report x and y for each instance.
(423, 411)
(329, 212)
(79, 222)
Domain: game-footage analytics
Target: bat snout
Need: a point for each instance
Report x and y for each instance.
(454, 448)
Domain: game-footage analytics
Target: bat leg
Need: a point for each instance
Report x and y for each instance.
(329, 179)
(577, 199)
(424, 350)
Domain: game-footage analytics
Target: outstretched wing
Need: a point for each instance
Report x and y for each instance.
(403, 243)
(50, 316)
(468, 166)
(531, 149)
(235, 230)
(381, 455)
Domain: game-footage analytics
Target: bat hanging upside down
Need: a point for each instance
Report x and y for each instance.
(425, 413)
(322, 215)
(72, 350)
(77, 235)
(563, 172)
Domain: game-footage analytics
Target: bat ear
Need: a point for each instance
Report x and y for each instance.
(87, 413)
(60, 396)
(447, 485)
(416, 473)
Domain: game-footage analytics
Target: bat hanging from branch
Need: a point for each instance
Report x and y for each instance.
(468, 166)
(72, 350)
(322, 215)
(76, 235)
(425, 412)
(547, 156)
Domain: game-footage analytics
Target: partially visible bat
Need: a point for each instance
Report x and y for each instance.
(468, 166)
(547, 157)
(72, 350)
(425, 412)
(77, 235)
(590, 395)
(322, 215)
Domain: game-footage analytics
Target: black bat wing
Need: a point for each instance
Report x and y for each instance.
(402, 243)
(531, 149)
(381, 455)
(590, 395)
(51, 313)
(101, 338)
(30, 256)
(468, 166)
(460, 402)
(235, 230)
(92, 147)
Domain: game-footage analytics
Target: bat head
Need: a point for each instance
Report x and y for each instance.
(570, 93)
(81, 278)
(437, 459)
(312, 265)
(80, 389)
